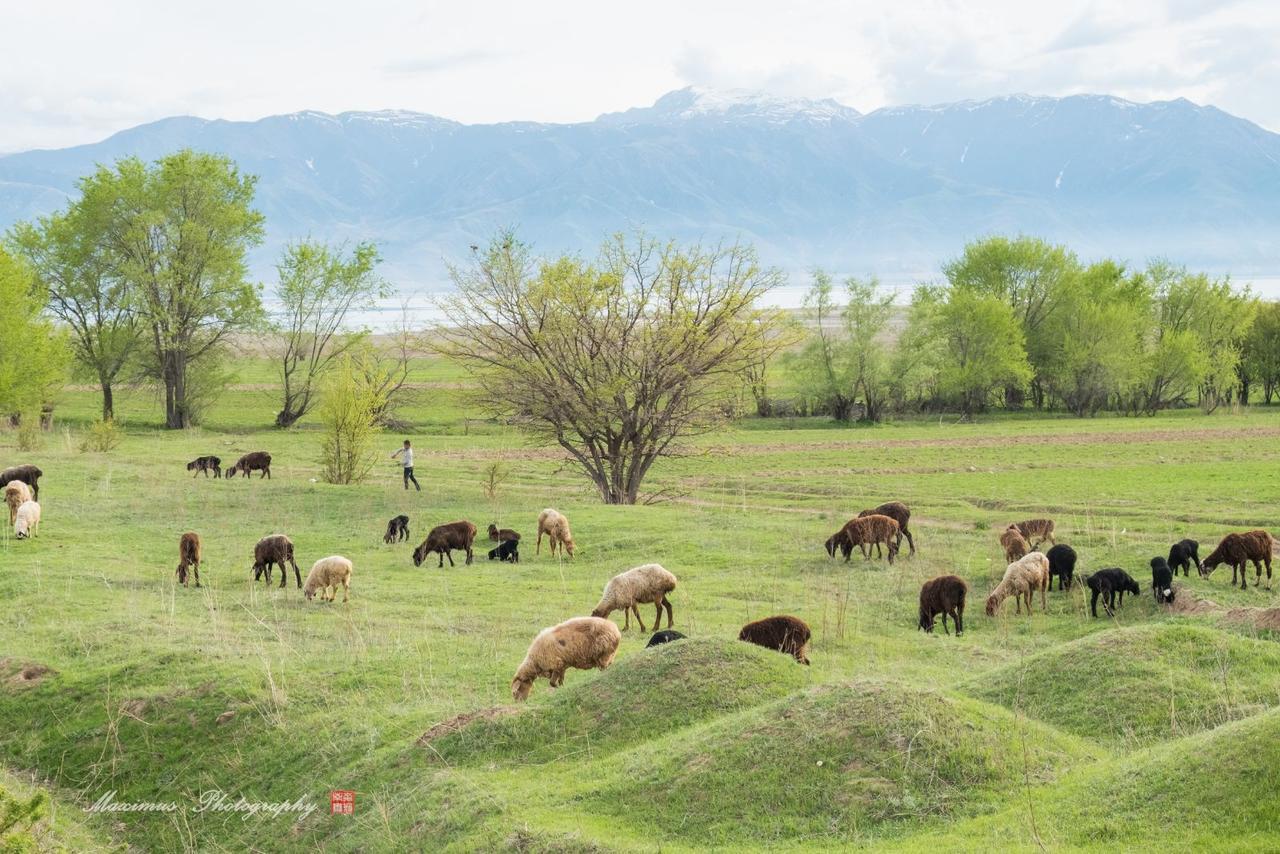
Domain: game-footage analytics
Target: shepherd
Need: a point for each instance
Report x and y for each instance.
(406, 460)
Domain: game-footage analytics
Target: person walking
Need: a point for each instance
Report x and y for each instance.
(406, 460)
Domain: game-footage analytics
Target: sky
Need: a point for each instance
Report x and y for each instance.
(75, 72)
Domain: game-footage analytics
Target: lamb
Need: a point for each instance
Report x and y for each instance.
(26, 522)
(501, 536)
(444, 539)
(1021, 579)
(865, 531)
(943, 595)
(397, 529)
(251, 462)
(1162, 581)
(626, 591)
(1183, 554)
(898, 512)
(783, 633)
(275, 549)
(333, 571)
(1062, 563)
(507, 550)
(1038, 530)
(556, 527)
(206, 465)
(28, 474)
(582, 642)
(15, 493)
(1107, 583)
(1237, 550)
(188, 557)
(664, 636)
(1015, 546)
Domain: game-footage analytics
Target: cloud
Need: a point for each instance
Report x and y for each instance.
(1088, 31)
(436, 64)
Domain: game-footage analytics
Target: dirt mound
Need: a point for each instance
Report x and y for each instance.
(24, 674)
(1184, 602)
(460, 722)
(1267, 619)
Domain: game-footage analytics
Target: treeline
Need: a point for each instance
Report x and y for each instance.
(1021, 323)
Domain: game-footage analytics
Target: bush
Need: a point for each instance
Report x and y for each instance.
(349, 412)
(30, 437)
(495, 474)
(103, 435)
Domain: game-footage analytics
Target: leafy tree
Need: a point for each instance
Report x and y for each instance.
(34, 355)
(1261, 356)
(319, 286)
(614, 361)
(348, 415)
(983, 346)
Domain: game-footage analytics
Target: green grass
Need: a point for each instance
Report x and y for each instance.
(1144, 729)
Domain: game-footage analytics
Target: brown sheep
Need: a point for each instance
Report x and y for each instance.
(898, 512)
(251, 462)
(1037, 531)
(28, 474)
(783, 633)
(865, 531)
(554, 524)
(501, 536)
(1015, 546)
(444, 539)
(275, 549)
(943, 595)
(1237, 550)
(188, 557)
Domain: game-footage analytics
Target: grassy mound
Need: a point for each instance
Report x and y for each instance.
(640, 697)
(1139, 684)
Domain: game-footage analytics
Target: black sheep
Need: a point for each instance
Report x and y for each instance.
(206, 465)
(1161, 580)
(1107, 583)
(508, 550)
(1183, 555)
(664, 636)
(943, 595)
(1062, 563)
(397, 529)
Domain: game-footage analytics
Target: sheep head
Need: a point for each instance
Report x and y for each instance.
(419, 554)
(520, 688)
(993, 604)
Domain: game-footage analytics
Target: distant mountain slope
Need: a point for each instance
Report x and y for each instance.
(810, 182)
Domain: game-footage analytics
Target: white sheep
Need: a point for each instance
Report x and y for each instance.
(27, 521)
(333, 571)
(16, 492)
(582, 642)
(627, 590)
(1021, 579)
(556, 527)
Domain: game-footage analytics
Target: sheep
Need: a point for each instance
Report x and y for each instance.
(1183, 554)
(1162, 581)
(507, 550)
(1015, 546)
(1237, 550)
(15, 493)
(188, 557)
(275, 549)
(501, 536)
(28, 474)
(444, 539)
(251, 462)
(943, 595)
(1107, 583)
(1037, 529)
(664, 636)
(1062, 563)
(206, 465)
(26, 522)
(783, 633)
(333, 571)
(863, 532)
(556, 527)
(898, 512)
(582, 642)
(626, 591)
(397, 529)
(1022, 579)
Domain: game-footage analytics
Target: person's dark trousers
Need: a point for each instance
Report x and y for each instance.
(408, 476)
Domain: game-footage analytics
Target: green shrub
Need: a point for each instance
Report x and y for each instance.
(103, 435)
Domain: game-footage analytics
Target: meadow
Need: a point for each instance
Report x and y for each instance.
(1051, 732)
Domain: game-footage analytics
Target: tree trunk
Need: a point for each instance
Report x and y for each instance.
(286, 417)
(108, 402)
(176, 415)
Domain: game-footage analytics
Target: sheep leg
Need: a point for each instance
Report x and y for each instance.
(1244, 579)
(636, 608)
(346, 590)
(666, 603)
(1093, 604)
(626, 619)
(538, 550)
(944, 624)
(470, 554)
(197, 569)
(958, 616)
(910, 542)
(297, 574)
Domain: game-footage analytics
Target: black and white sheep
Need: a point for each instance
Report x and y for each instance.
(1161, 580)
(507, 550)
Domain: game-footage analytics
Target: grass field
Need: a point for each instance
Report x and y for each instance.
(1052, 732)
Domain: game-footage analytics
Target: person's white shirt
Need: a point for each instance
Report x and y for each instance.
(406, 457)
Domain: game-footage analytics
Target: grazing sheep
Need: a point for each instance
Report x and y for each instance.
(444, 539)
(501, 536)
(1107, 583)
(26, 522)
(275, 549)
(898, 512)
(1162, 580)
(28, 474)
(556, 527)
(626, 591)
(188, 557)
(206, 465)
(1183, 555)
(251, 462)
(333, 571)
(1062, 563)
(1022, 578)
(15, 493)
(1015, 545)
(1037, 530)
(1237, 550)
(397, 529)
(865, 531)
(943, 595)
(508, 550)
(783, 633)
(664, 636)
(582, 642)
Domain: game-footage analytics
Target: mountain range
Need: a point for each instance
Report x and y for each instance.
(810, 182)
